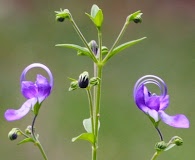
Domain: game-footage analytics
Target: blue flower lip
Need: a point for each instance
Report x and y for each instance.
(151, 79)
(35, 65)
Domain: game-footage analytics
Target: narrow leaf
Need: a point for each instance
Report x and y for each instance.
(85, 136)
(124, 46)
(26, 140)
(80, 49)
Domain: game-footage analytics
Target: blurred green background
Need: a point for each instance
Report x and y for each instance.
(28, 33)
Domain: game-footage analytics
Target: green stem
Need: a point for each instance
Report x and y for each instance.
(90, 108)
(36, 141)
(97, 110)
(156, 154)
(41, 149)
(100, 44)
(116, 41)
(84, 40)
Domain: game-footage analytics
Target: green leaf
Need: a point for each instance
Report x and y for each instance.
(81, 50)
(85, 136)
(26, 140)
(124, 46)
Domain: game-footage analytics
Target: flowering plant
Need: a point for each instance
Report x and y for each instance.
(151, 104)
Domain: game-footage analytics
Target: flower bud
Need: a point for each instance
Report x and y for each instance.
(94, 81)
(13, 134)
(73, 85)
(28, 129)
(94, 47)
(160, 146)
(135, 17)
(83, 80)
(62, 15)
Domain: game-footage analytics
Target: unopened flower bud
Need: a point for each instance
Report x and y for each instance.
(160, 146)
(73, 85)
(83, 80)
(135, 17)
(62, 15)
(176, 140)
(94, 81)
(28, 129)
(94, 47)
(13, 134)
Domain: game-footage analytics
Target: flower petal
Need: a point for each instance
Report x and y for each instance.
(164, 102)
(153, 102)
(154, 114)
(12, 114)
(43, 85)
(139, 97)
(28, 89)
(177, 121)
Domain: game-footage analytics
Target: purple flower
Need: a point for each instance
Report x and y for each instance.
(35, 92)
(154, 105)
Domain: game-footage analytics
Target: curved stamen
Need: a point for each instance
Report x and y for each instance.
(151, 79)
(23, 75)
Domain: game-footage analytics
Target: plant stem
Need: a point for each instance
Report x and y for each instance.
(36, 141)
(90, 108)
(159, 133)
(84, 40)
(97, 111)
(41, 149)
(116, 41)
(156, 154)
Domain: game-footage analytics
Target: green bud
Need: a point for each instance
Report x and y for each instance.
(28, 129)
(135, 17)
(104, 50)
(13, 134)
(73, 85)
(94, 81)
(175, 141)
(160, 146)
(83, 80)
(62, 15)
